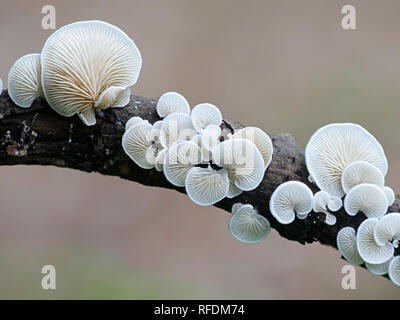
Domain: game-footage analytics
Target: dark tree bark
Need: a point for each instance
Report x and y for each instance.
(39, 136)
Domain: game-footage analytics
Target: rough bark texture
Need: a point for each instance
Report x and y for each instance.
(39, 136)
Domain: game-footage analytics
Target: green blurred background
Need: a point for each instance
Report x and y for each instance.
(280, 65)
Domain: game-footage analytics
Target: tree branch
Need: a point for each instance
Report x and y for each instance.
(39, 136)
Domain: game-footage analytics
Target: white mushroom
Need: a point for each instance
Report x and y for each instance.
(323, 202)
(369, 250)
(233, 190)
(159, 162)
(155, 131)
(389, 195)
(172, 102)
(359, 172)
(248, 226)
(136, 143)
(333, 147)
(175, 127)
(205, 154)
(206, 186)
(210, 136)
(394, 270)
(310, 179)
(347, 245)
(378, 269)
(388, 228)
(83, 60)
(260, 139)
(236, 206)
(242, 160)
(205, 114)
(133, 121)
(290, 198)
(24, 84)
(367, 198)
(179, 159)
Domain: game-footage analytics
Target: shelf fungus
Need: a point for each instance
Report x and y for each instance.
(247, 225)
(88, 66)
(360, 172)
(205, 114)
(347, 245)
(394, 270)
(323, 202)
(172, 102)
(291, 198)
(24, 83)
(388, 229)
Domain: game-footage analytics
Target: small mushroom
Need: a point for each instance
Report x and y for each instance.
(175, 127)
(333, 147)
(243, 162)
(248, 226)
(290, 198)
(236, 206)
(359, 172)
(233, 190)
(210, 136)
(323, 202)
(367, 198)
(260, 139)
(379, 269)
(88, 66)
(388, 228)
(205, 114)
(159, 162)
(369, 250)
(205, 154)
(24, 84)
(179, 159)
(206, 186)
(133, 121)
(389, 195)
(394, 270)
(155, 131)
(136, 143)
(347, 245)
(172, 102)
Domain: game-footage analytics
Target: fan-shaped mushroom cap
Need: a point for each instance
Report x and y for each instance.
(233, 190)
(242, 160)
(205, 154)
(24, 84)
(367, 198)
(206, 186)
(205, 114)
(179, 159)
(388, 228)
(359, 172)
(236, 206)
(333, 147)
(260, 139)
(156, 131)
(347, 245)
(389, 195)
(367, 247)
(80, 61)
(394, 270)
(290, 198)
(378, 269)
(136, 142)
(133, 121)
(116, 97)
(159, 162)
(177, 126)
(210, 136)
(172, 102)
(248, 226)
(322, 202)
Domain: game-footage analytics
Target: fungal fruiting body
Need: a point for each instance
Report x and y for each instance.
(379, 269)
(247, 225)
(360, 172)
(333, 147)
(205, 114)
(172, 102)
(323, 202)
(394, 270)
(388, 229)
(347, 245)
(176, 127)
(290, 198)
(88, 66)
(24, 83)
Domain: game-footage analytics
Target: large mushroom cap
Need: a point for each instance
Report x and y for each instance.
(394, 270)
(389, 195)
(359, 172)
(388, 228)
(346, 243)
(242, 160)
(333, 147)
(262, 141)
(248, 226)
(369, 250)
(171, 102)
(24, 84)
(290, 198)
(367, 198)
(205, 114)
(136, 143)
(206, 186)
(82, 60)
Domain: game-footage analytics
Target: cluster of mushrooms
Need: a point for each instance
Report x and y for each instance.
(88, 66)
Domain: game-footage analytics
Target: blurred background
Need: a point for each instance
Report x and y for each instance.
(279, 65)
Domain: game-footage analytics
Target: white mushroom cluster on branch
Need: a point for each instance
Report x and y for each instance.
(190, 149)
(83, 67)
